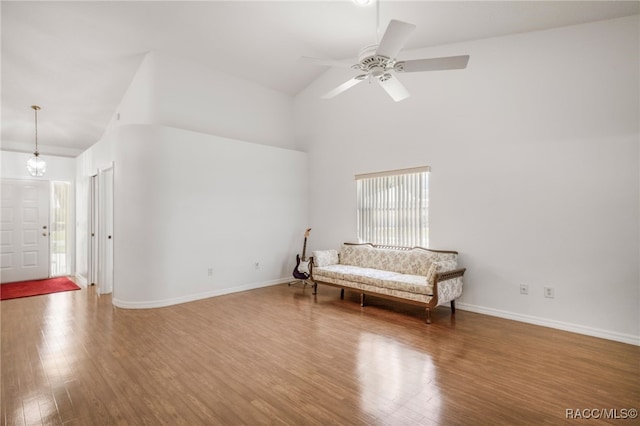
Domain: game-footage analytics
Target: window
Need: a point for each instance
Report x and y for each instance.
(393, 207)
(60, 222)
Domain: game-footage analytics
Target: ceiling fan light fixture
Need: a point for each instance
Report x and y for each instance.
(36, 166)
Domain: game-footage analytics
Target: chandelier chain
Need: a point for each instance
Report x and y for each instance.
(35, 111)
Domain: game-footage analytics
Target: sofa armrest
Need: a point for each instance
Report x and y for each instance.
(447, 275)
(447, 285)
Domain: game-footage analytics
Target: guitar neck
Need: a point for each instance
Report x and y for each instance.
(304, 249)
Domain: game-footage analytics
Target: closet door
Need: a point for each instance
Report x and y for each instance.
(105, 231)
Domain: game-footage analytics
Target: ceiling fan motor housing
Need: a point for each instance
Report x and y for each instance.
(371, 63)
(367, 52)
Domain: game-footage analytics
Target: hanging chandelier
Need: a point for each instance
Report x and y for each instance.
(36, 166)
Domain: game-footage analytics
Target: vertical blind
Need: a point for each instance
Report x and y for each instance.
(393, 207)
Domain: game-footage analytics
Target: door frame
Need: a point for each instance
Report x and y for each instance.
(100, 234)
(93, 230)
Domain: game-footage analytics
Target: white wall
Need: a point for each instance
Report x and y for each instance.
(535, 169)
(186, 201)
(176, 92)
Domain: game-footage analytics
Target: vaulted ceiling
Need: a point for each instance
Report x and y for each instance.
(76, 59)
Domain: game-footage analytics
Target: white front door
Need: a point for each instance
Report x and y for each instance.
(24, 230)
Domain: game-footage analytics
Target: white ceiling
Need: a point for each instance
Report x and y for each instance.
(76, 59)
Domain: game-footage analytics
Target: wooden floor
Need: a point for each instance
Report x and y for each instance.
(279, 355)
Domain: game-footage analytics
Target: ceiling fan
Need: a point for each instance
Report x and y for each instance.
(378, 62)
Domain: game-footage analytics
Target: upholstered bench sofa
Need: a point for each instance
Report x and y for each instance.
(412, 275)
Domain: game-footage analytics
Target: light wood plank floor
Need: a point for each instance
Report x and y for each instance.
(278, 355)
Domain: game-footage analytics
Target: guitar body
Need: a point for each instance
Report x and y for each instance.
(301, 271)
(300, 267)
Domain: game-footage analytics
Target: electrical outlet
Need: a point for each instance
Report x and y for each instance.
(210, 272)
(549, 292)
(524, 288)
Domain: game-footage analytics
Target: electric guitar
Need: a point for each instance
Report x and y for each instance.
(301, 271)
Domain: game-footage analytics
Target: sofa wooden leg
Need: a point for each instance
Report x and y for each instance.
(315, 288)
(453, 307)
(427, 318)
(342, 293)
(361, 299)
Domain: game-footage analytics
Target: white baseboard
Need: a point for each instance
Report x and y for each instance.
(193, 297)
(81, 280)
(575, 328)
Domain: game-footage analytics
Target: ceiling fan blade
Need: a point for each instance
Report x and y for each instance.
(344, 86)
(326, 62)
(394, 38)
(394, 88)
(433, 64)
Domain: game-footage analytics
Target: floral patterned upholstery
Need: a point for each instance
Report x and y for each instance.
(441, 266)
(375, 277)
(408, 274)
(374, 289)
(415, 261)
